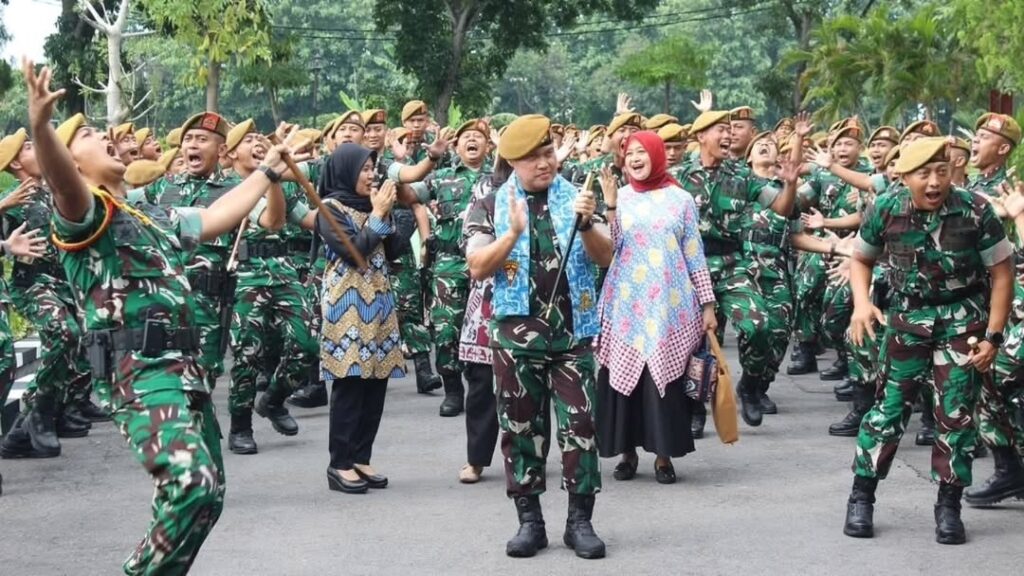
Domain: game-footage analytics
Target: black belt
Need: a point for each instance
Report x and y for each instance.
(209, 282)
(718, 247)
(248, 249)
(300, 245)
(25, 274)
(957, 295)
(766, 238)
(134, 339)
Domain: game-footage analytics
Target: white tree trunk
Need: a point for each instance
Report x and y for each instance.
(116, 111)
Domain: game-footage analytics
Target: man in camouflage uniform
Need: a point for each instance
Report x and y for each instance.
(542, 354)
(744, 127)
(126, 269)
(621, 128)
(56, 402)
(726, 194)
(940, 243)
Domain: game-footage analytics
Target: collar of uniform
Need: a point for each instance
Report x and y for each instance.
(998, 174)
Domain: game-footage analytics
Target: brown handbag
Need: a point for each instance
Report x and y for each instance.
(723, 405)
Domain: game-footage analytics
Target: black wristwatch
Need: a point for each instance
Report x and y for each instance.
(273, 176)
(586, 226)
(994, 338)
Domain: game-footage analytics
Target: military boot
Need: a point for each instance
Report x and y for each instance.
(271, 406)
(863, 400)
(1006, 482)
(700, 419)
(17, 444)
(531, 536)
(41, 425)
(768, 405)
(750, 399)
(839, 369)
(860, 508)
(806, 361)
(949, 529)
(579, 532)
(426, 380)
(845, 391)
(240, 440)
(454, 395)
(93, 412)
(312, 395)
(926, 435)
(70, 427)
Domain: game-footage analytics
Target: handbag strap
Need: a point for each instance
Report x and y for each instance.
(723, 366)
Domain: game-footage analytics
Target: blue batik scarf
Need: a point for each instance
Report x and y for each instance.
(512, 281)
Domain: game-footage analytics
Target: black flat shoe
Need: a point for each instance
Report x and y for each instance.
(373, 480)
(337, 483)
(625, 470)
(665, 474)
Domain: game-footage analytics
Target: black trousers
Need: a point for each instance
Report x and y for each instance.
(481, 414)
(356, 409)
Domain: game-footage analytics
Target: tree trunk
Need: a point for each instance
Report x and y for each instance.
(274, 112)
(213, 86)
(462, 19)
(116, 112)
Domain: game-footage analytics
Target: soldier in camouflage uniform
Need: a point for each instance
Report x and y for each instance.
(203, 182)
(940, 243)
(727, 193)
(449, 190)
(269, 304)
(1001, 407)
(541, 354)
(126, 269)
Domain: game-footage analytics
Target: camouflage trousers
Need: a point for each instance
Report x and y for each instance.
(741, 303)
(6, 355)
(838, 303)
(526, 384)
(809, 287)
(772, 278)
(408, 286)
(1001, 408)
(176, 438)
(261, 315)
(863, 361)
(63, 372)
(207, 319)
(907, 361)
(450, 292)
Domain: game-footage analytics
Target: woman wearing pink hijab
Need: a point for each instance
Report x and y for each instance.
(656, 305)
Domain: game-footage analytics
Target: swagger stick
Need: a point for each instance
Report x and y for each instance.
(566, 252)
(311, 194)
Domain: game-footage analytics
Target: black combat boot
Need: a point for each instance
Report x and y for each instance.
(74, 414)
(1006, 482)
(240, 440)
(768, 406)
(863, 400)
(454, 395)
(949, 529)
(839, 369)
(426, 380)
(579, 532)
(750, 399)
(41, 425)
(16, 443)
(806, 362)
(93, 412)
(860, 508)
(700, 419)
(926, 435)
(68, 426)
(271, 406)
(531, 536)
(313, 395)
(845, 391)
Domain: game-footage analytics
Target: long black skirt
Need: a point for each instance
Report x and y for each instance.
(644, 419)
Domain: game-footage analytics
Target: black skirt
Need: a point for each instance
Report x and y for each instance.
(644, 419)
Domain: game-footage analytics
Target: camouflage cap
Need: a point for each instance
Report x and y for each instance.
(238, 132)
(122, 130)
(921, 152)
(66, 131)
(414, 108)
(887, 133)
(474, 124)
(174, 137)
(142, 134)
(143, 172)
(756, 139)
(708, 119)
(209, 121)
(524, 135)
(1000, 124)
(375, 116)
(672, 132)
(10, 147)
(627, 119)
(659, 121)
(924, 127)
(743, 113)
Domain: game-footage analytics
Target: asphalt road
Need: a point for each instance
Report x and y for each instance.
(772, 504)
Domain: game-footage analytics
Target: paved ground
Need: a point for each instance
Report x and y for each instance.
(773, 504)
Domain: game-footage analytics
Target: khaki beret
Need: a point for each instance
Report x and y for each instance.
(558, 129)
(672, 132)
(743, 113)
(328, 128)
(474, 124)
(708, 119)
(312, 135)
(238, 132)
(400, 133)
(1000, 124)
(962, 144)
(784, 124)
(350, 117)
(756, 139)
(887, 133)
(167, 158)
(174, 137)
(209, 121)
(143, 172)
(600, 127)
(594, 135)
(925, 127)
(628, 119)
(375, 116)
(847, 132)
(524, 135)
(921, 152)
(66, 131)
(819, 139)
(122, 130)
(891, 155)
(785, 146)
(414, 108)
(659, 121)
(10, 147)
(141, 134)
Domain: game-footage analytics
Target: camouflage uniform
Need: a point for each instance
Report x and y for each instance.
(6, 345)
(130, 278)
(937, 269)
(206, 270)
(537, 361)
(42, 295)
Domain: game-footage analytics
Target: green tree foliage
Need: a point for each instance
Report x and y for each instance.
(6, 74)
(674, 61)
(279, 72)
(993, 30)
(74, 52)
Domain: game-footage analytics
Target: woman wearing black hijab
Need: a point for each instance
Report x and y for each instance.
(360, 347)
